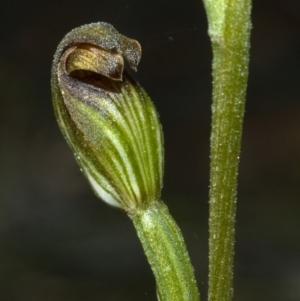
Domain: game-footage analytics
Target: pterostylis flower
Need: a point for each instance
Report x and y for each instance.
(114, 132)
(108, 119)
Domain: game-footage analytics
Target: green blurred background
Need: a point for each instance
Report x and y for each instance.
(58, 242)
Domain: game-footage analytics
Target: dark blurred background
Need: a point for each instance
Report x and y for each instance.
(58, 242)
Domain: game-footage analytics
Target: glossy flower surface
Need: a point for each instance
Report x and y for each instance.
(107, 118)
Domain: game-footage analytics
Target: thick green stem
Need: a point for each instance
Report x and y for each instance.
(166, 252)
(229, 29)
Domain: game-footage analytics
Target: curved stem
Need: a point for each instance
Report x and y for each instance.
(229, 30)
(166, 252)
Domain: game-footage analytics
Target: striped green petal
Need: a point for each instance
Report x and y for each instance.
(107, 118)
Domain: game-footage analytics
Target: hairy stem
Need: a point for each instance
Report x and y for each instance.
(166, 252)
(229, 30)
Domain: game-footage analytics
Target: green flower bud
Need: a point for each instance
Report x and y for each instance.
(107, 119)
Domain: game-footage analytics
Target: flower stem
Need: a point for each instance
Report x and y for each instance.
(166, 252)
(229, 30)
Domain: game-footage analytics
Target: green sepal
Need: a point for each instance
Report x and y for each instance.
(111, 125)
